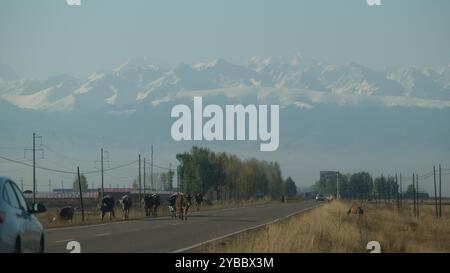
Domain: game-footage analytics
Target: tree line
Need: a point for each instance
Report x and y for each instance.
(225, 176)
(219, 176)
(361, 185)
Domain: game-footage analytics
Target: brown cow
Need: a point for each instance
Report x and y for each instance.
(183, 202)
(355, 209)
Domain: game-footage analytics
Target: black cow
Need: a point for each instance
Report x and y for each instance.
(108, 206)
(151, 203)
(172, 205)
(198, 200)
(65, 214)
(126, 203)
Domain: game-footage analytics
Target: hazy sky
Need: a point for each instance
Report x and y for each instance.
(46, 37)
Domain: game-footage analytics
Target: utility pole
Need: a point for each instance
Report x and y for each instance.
(34, 167)
(34, 162)
(337, 186)
(440, 192)
(144, 176)
(169, 181)
(401, 191)
(418, 203)
(101, 159)
(435, 192)
(62, 185)
(398, 195)
(49, 185)
(151, 170)
(81, 194)
(414, 195)
(140, 185)
(178, 178)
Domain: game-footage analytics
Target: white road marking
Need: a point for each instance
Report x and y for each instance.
(63, 241)
(103, 234)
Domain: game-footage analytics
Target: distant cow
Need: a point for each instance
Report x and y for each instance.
(354, 209)
(151, 202)
(126, 203)
(107, 206)
(183, 202)
(198, 200)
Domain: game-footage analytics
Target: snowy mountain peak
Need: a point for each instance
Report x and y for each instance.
(142, 82)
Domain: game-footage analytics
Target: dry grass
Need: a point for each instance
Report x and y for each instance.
(93, 216)
(330, 229)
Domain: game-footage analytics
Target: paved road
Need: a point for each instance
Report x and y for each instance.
(164, 234)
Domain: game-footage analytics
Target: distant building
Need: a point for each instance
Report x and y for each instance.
(66, 190)
(324, 175)
(62, 190)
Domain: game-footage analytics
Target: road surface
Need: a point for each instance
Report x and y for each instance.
(164, 234)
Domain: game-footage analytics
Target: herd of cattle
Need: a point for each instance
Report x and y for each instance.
(179, 203)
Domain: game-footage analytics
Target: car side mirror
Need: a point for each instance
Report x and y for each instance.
(38, 208)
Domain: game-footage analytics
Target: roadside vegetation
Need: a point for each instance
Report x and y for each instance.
(330, 229)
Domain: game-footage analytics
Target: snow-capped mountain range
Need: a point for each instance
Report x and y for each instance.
(346, 117)
(293, 81)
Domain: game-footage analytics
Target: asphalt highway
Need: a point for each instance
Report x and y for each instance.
(166, 234)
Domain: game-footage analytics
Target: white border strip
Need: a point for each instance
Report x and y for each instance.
(244, 230)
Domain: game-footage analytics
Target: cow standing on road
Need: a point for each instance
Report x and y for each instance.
(198, 200)
(183, 202)
(172, 205)
(151, 202)
(107, 206)
(126, 203)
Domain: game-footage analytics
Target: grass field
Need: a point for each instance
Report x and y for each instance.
(93, 216)
(330, 229)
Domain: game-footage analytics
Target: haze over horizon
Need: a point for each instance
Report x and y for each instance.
(44, 38)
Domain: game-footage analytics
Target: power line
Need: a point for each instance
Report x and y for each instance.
(65, 171)
(113, 168)
(65, 156)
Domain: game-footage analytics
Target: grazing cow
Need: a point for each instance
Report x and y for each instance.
(151, 204)
(198, 200)
(330, 198)
(126, 203)
(354, 209)
(65, 214)
(183, 202)
(107, 206)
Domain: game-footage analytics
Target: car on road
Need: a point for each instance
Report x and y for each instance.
(320, 197)
(20, 230)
